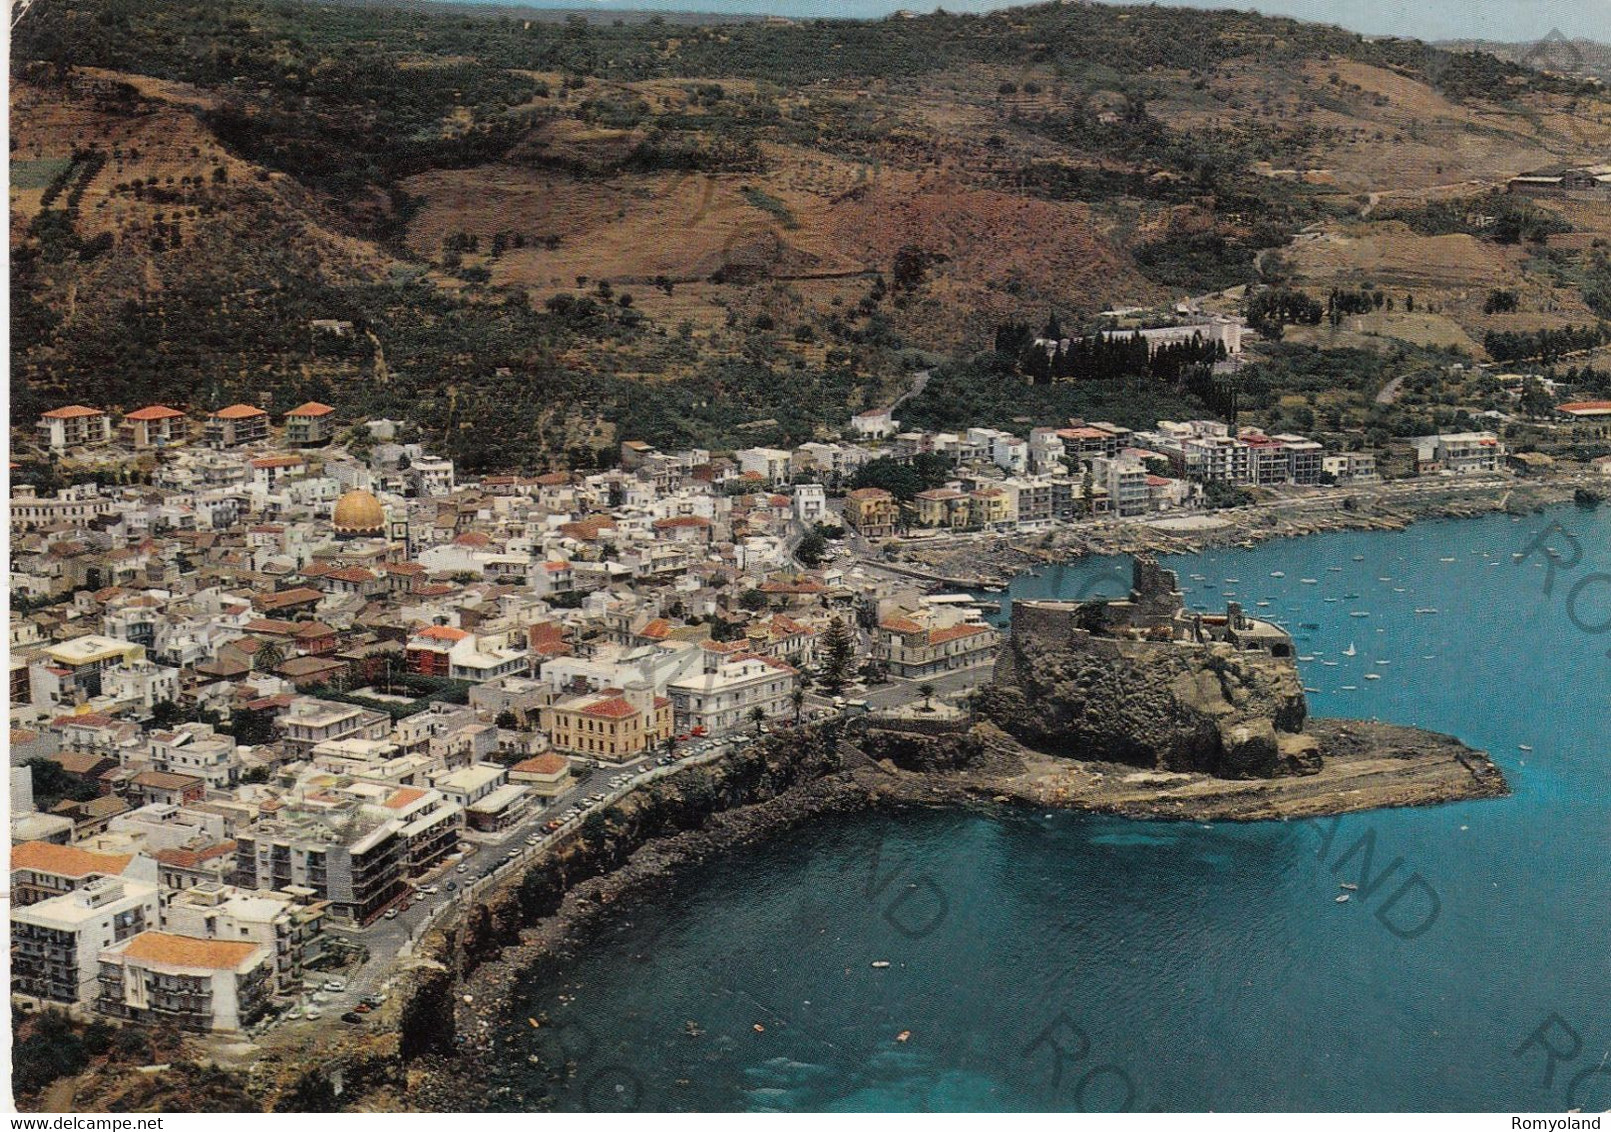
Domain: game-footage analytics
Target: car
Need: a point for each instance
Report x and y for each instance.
(362, 1008)
(372, 1000)
(313, 1014)
(429, 890)
(391, 913)
(511, 855)
(462, 868)
(352, 1018)
(335, 986)
(452, 886)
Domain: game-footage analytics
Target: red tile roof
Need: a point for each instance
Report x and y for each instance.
(69, 412)
(311, 409)
(239, 412)
(153, 413)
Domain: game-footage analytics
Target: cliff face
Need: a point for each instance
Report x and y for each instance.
(1215, 709)
(1136, 682)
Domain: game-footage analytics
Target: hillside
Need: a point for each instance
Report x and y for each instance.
(555, 233)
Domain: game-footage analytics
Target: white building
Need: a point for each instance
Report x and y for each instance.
(875, 424)
(771, 464)
(56, 944)
(1460, 453)
(810, 502)
(194, 984)
(721, 698)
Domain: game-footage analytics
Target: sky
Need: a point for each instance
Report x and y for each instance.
(1510, 21)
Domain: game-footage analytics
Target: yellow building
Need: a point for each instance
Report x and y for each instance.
(872, 511)
(611, 724)
(941, 507)
(991, 508)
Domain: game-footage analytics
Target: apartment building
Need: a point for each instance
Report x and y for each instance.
(235, 425)
(194, 984)
(309, 722)
(56, 943)
(275, 920)
(872, 511)
(1460, 453)
(74, 426)
(310, 425)
(333, 851)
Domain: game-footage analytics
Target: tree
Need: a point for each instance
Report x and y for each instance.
(838, 650)
(752, 599)
(758, 717)
(927, 692)
(52, 784)
(797, 698)
(506, 720)
(269, 656)
(812, 548)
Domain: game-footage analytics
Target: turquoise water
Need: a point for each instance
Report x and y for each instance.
(1068, 961)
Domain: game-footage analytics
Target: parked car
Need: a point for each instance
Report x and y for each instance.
(362, 1008)
(391, 913)
(372, 1000)
(335, 986)
(313, 1014)
(452, 886)
(352, 1018)
(462, 868)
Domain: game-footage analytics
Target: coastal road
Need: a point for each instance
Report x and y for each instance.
(482, 858)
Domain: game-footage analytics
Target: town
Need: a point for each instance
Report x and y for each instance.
(283, 691)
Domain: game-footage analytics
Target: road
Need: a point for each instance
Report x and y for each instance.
(484, 859)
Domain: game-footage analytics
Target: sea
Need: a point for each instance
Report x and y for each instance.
(939, 960)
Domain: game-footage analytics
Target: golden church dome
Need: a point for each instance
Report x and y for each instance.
(359, 513)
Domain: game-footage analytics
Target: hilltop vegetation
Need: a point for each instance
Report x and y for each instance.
(550, 235)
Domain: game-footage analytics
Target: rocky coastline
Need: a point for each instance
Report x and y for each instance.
(463, 992)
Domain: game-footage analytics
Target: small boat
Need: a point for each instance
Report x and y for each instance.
(1311, 691)
(1385, 579)
(1334, 569)
(1351, 650)
(1261, 604)
(1372, 676)
(903, 1036)
(1233, 581)
(1445, 560)
(1350, 887)
(1523, 747)
(1350, 597)
(1359, 613)
(1308, 657)
(1383, 663)
(1349, 688)
(1343, 899)
(1426, 609)
(1310, 581)
(1359, 558)
(880, 964)
(1332, 600)
(1277, 574)
(1398, 589)
(1329, 663)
